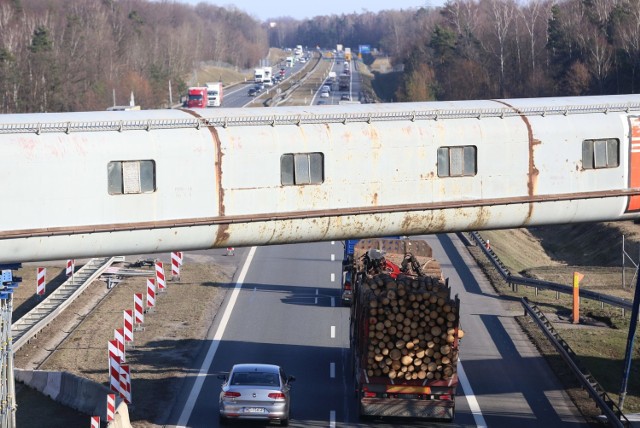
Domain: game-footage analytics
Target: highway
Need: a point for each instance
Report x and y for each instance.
(335, 95)
(236, 96)
(284, 309)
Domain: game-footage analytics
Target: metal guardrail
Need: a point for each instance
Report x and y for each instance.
(614, 415)
(536, 283)
(39, 317)
(300, 119)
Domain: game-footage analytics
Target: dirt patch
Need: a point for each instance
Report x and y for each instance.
(171, 339)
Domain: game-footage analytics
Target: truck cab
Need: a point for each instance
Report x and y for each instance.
(258, 75)
(267, 76)
(197, 97)
(214, 94)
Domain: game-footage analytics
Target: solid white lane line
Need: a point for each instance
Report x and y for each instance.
(471, 398)
(333, 331)
(332, 370)
(333, 277)
(333, 257)
(204, 370)
(332, 419)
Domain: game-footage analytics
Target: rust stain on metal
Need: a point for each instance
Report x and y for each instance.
(222, 232)
(440, 212)
(532, 183)
(481, 219)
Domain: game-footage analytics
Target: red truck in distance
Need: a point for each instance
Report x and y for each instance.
(197, 97)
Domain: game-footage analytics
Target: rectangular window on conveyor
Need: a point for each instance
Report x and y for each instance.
(457, 161)
(131, 177)
(601, 153)
(301, 168)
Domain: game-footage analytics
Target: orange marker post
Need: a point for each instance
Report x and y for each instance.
(577, 277)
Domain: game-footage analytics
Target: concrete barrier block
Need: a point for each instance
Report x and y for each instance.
(36, 379)
(53, 382)
(76, 392)
(121, 418)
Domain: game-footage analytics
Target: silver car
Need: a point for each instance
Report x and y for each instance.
(256, 392)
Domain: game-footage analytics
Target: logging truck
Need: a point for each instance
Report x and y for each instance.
(404, 331)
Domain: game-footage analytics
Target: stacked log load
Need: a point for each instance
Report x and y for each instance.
(411, 331)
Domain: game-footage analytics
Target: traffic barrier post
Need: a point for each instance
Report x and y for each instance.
(114, 366)
(176, 261)
(138, 311)
(125, 383)
(151, 295)
(111, 407)
(118, 334)
(41, 281)
(577, 277)
(128, 325)
(160, 279)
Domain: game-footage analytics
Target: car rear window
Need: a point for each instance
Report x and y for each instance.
(255, 378)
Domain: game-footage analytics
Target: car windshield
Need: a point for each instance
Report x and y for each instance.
(255, 378)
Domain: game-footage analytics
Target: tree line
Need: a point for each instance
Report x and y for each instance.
(73, 55)
(478, 49)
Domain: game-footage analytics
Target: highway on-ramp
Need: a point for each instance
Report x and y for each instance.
(284, 309)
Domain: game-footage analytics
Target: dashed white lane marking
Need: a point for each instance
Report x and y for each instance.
(471, 398)
(333, 242)
(333, 331)
(333, 277)
(332, 370)
(332, 419)
(333, 257)
(204, 370)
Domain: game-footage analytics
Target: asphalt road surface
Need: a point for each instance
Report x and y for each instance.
(284, 309)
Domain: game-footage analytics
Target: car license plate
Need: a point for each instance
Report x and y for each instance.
(254, 410)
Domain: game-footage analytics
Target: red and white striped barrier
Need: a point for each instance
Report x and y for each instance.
(71, 264)
(118, 334)
(95, 421)
(151, 293)
(111, 407)
(128, 325)
(125, 383)
(114, 366)
(160, 280)
(40, 281)
(138, 309)
(176, 262)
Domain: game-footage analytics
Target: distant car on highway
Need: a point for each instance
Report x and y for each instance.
(256, 392)
(252, 92)
(345, 97)
(324, 94)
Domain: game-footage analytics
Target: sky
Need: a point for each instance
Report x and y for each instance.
(266, 9)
